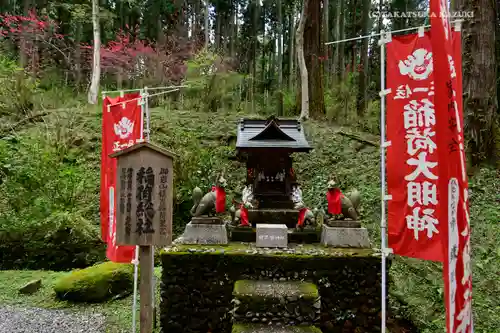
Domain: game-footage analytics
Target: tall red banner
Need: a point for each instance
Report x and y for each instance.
(413, 225)
(121, 128)
(412, 160)
(453, 182)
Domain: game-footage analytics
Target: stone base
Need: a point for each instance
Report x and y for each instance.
(206, 220)
(343, 223)
(203, 234)
(345, 237)
(272, 235)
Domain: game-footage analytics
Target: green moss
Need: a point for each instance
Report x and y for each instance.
(255, 328)
(95, 284)
(270, 289)
(248, 249)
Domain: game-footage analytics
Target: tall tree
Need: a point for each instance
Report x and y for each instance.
(280, 59)
(96, 66)
(326, 31)
(207, 24)
(480, 81)
(314, 55)
(291, 50)
(304, 80)
(362, 97)
(338, 61)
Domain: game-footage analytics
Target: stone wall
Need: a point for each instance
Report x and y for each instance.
(198, 281)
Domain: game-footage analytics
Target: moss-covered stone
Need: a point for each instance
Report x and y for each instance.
(275, 290)
(276, 302)
(198, 284)
(97, 283)
(255, 328)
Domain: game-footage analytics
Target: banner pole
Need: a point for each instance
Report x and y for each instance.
(382, 176)
(142, 113)
(136, 276)
(147, 113)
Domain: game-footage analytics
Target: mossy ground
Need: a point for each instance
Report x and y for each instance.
(118, 312)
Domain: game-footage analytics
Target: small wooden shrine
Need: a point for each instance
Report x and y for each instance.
(266, 147)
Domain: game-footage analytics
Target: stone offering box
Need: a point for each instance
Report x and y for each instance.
(242, 288)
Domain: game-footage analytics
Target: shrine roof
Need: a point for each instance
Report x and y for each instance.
(272, 133)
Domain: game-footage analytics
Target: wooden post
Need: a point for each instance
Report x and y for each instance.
(146, 265)
(145, 179)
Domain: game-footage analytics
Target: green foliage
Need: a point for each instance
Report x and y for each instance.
(341, 101)
(49, 199)
(213, 83)
(17, 89)
(96, 284)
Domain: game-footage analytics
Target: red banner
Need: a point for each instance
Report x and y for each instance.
(453, 182)
(121, 128)
(413, 225)
(413, 216)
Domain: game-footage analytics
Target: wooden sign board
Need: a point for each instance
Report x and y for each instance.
(144, 190)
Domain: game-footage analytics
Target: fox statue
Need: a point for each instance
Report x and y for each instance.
(343, 204)
(207, 204)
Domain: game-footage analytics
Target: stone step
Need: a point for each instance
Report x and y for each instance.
(279, 303)
(258, 328)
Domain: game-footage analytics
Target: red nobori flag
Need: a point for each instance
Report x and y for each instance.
(412, 172)
(453, 182)
(121, 128)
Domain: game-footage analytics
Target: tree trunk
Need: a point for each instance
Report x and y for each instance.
(234, 29)
(218, 25)
(207, 36)
(291, 51)
(280, 60)
(480, 90)
(96, 66)
(338, 61)
(255, 30)
(23, 52)
(78, 56)
(362, 97)
(304, 80)
(313, 48)
(195, 19)
(326, 35)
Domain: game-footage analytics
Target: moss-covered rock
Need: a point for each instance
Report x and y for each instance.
(255, 328)
(97, 283)
(272, 290)
(198, 284)
(279, 303)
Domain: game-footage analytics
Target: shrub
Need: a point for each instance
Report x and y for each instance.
(97, 283)
(48, 211)
(17, 89)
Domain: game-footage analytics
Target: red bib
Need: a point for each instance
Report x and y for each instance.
(302, 215)
(243, 216)
(220, 199)
(333, 196)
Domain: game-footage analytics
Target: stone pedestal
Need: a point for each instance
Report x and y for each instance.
(206, 220)
(202, 233)
(272, 235)
(345, 237)
(343, 223)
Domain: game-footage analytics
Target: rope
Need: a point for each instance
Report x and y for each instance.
(139, 98)
(131, 90)
(378, 34)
